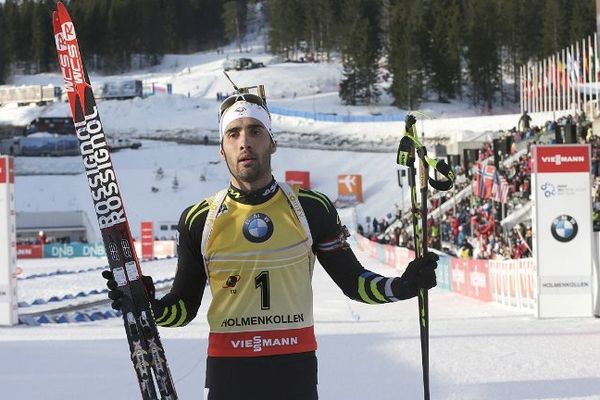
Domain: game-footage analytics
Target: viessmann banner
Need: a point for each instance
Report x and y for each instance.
(562, 230)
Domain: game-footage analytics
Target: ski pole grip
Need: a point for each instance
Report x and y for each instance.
(404, 152)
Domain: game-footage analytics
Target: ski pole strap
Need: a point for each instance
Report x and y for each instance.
(444, 169)
(405, 148)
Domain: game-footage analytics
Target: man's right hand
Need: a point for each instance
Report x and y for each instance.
(115, 294)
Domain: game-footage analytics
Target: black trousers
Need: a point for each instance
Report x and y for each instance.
(290, 377)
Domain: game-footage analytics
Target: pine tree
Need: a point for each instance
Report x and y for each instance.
(583, 21)
(3, 48)
(286, 18)
(41, 43)
(483, 50)
(360, 53)
(25, 51)
(10, 36)
(234, 16)
(551, 23)
(319, 27)
(170, 26)
(442, 57)
(405, 60)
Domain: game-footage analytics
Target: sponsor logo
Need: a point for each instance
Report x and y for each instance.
(258, 228)
(551, 190)
(222, 209)
(270, 190)
(257, 343)
(231, 281)
(68, 57)
(548, 189)
(101, 176)
(68, 31)
(559, 159)
(126, 248)
(61, 45)
(564, 228)
(240, 110)
(114, 253)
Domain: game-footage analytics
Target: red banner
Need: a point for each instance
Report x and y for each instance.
(300, 178)
(147, 240)
(471, 278)
(3, 172)
(390, 255)
(574, 158)
(30, 251)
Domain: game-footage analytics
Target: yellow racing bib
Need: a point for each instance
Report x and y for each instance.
(259, 264)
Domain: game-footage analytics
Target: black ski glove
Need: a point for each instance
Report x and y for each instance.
(409, 121)
(115, 294)
(420, 273)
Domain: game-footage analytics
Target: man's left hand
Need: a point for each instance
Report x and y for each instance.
(420, 273)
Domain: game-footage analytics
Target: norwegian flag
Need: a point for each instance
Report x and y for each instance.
(483, 182)
(500, 188)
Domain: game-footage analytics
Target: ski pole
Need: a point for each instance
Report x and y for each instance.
(409, 146)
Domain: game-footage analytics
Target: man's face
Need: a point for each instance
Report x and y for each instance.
(247, 149)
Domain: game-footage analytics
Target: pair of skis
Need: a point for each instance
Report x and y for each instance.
(147, 353)
(408, 147)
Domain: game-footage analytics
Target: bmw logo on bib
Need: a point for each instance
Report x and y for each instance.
(258, 228)
(564, 228)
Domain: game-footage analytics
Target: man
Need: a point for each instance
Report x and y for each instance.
(524, 122)
(256, 243)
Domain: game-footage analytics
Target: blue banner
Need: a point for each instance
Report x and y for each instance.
(68, 250)
(443, 273)
(336, 118)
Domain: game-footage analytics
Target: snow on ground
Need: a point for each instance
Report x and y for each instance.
(477, 350)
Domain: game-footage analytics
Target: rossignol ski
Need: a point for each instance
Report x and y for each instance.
(409, 144)
(147, 353)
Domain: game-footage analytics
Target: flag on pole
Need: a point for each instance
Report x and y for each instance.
(571, 68)
(484, 181)
(500, 188)
(590, 54)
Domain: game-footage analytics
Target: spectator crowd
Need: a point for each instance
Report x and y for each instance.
(471, 227)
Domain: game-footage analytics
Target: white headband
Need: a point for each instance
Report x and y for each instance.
(242, 109)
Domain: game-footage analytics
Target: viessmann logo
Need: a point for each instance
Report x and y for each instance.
(257, 343)
(559, 159)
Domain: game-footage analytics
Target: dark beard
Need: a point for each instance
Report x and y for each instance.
(250, 175)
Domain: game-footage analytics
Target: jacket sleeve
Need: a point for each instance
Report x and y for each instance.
(336, 256)
(181, 304)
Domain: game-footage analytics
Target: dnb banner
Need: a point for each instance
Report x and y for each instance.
(8, 246)
(562, 230)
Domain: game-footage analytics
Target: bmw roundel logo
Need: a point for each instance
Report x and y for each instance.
(564, 228)
(258, 228)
